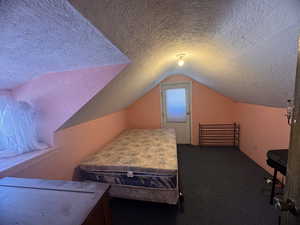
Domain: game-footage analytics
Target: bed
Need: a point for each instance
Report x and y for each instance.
(140, 164)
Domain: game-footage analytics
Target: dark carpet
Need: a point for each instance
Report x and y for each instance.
(222, 186)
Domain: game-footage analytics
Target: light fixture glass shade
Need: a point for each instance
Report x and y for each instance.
(180, 57)
(180, 62)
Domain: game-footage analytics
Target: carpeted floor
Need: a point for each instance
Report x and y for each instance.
(222, 186)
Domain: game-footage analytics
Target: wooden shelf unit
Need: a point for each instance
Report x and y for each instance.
(219, 135)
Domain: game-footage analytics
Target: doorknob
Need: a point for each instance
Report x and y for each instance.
(288, 205)
(188, 113)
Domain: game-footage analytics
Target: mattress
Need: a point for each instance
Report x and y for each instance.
(137, 157)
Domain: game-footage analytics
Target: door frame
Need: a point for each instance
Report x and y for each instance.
(174, 83)
(292, 187)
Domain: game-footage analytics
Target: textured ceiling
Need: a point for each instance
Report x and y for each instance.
(243, 49)
(37, 37)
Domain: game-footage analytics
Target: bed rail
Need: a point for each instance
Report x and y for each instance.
(219, 135)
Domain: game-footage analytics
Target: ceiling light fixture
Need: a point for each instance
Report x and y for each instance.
(180, 59)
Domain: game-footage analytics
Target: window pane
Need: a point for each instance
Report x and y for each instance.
(176, 105)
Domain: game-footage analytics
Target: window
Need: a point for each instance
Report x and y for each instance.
(176, 105)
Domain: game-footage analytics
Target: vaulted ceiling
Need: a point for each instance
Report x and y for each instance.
(243, 49)
(39, 36)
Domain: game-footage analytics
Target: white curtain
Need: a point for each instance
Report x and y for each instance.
(18, 128)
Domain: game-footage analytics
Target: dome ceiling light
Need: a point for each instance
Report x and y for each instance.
(180, 59)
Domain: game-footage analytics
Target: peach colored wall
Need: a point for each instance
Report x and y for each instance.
(145, 112)
(58, 96)
(73, 145)
(208, 106)
(262, 128)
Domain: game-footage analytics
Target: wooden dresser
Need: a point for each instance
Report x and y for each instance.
(52, 202)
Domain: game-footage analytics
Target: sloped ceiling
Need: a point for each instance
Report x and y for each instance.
(243, 49)
(58, 96)
(38, 37)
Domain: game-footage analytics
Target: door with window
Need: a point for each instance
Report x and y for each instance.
(176, 113)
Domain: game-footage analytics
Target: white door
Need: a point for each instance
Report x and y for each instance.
(175, 98)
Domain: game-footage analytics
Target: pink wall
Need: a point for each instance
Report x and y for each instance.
(73, 145)
(145, 112)
(262, 128)
(208, 106)
(57, 96)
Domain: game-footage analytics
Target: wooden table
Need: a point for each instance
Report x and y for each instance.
(51, 202)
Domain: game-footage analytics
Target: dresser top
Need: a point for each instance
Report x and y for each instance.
(37, 201)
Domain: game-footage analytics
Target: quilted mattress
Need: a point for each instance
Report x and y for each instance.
(137, 157)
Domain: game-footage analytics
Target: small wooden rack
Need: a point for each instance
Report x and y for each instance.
(219, 135)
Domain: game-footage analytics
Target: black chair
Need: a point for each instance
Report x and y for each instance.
(277, 159)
